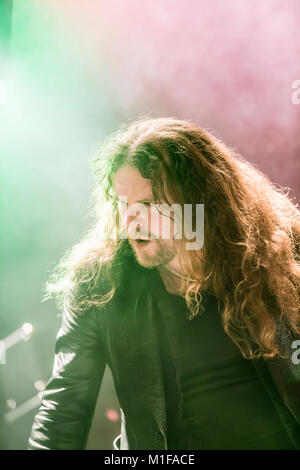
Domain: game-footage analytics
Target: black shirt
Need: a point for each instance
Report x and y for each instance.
(224, 403)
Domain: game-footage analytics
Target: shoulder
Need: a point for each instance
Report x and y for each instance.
(96, 286)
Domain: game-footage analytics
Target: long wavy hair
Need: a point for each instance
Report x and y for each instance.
(250, 256)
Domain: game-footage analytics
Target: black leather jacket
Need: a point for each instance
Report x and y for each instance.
(122, 335)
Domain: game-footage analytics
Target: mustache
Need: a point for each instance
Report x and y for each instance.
(134, 235)
(141, 237)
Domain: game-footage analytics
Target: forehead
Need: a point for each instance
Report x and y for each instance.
(130, 183)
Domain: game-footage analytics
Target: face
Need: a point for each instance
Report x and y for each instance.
(143, 225)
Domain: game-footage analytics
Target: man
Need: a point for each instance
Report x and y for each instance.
(202, 340)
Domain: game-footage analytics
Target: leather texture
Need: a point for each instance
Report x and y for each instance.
(122, 336)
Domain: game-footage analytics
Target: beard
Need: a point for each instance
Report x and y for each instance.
(154, 254)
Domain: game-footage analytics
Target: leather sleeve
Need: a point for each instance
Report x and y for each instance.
(68, 402)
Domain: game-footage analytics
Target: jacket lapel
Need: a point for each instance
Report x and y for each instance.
(165, 310)
(151, 378)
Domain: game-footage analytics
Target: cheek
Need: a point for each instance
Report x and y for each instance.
(122, 214)
(161, 226)
(154, 224)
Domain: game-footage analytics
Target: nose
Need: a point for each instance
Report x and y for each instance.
(129, 219)
(134, 229)
(135, 224)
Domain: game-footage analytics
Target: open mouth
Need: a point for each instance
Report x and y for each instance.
(141, 242)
